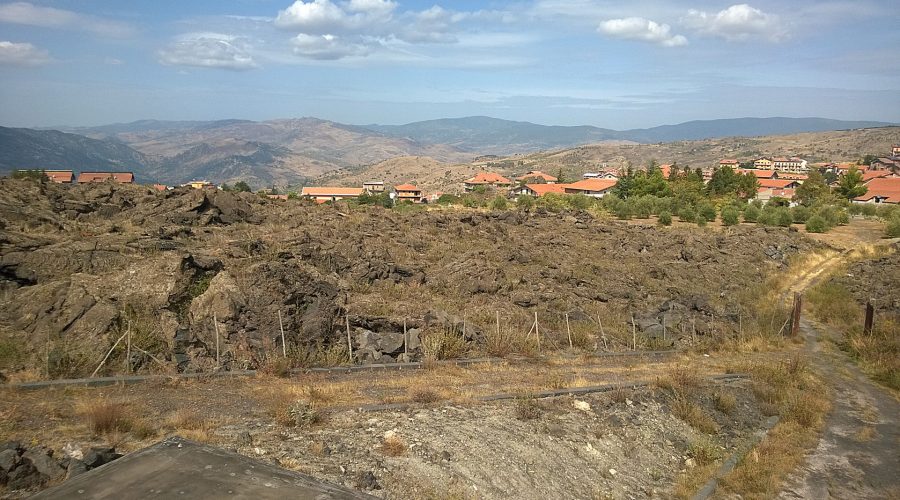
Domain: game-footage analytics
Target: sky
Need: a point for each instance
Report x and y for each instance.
(612, 64)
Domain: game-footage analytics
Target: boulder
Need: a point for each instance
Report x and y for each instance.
(76, 467)
(100, 456)
(24, 476)
(8, 460)
(44, 463)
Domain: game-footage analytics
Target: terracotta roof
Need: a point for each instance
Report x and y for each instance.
(535, 174)
(781, 193)
(160, 187)
(591, 185)
(875, 174)
(330, 191)
(60, 176)
(120, 177)
(666, 170)
(729, 161)
(775, 183)
(760, 174)
(887, 188)
(488, 178)
(406, 187)
(542, 189)
(793, 177)
(277, 196)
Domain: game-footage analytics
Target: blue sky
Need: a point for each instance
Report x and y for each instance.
(566, 62)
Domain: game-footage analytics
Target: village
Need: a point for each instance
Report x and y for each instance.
(777, 179)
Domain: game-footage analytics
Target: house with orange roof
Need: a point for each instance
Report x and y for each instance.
(763, 164)
(325, 194)
(760, 174)
(117, 177)
(895, 150)
(538, 190)
(729, 162)
(876, 174)
(666, 170)
(778, 183)
(766, 194)
(487, 179)
(794, 177)
(792, 164)
(60, 176)
(408, 192)
(535, 175)
(160, 187)
(596, 188)
(881, 190)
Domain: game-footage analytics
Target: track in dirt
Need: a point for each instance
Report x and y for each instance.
(857, 455)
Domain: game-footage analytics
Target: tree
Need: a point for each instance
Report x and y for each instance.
(499, 203)
(868, 159)
(665, 218)
(242, 187)
(812, 189)
(33, 174)
(851, 184)
(625, 185)
(730, 216)
(560, 176)
(652, 182)
(816, 224)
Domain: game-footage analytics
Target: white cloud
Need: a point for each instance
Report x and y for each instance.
(312, 17)
(22, 54)
(209, 50)
(738, 22)
(326, 47)
(49, 17)
(638, 28)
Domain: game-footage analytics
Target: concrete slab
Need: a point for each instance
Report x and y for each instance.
(179, 468)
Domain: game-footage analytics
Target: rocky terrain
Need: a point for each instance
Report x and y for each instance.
(875, 280)
(23, 469)
(83, 266)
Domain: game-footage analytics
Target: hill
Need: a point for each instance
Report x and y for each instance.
(22, 148)
(816, 147)
(494, 136)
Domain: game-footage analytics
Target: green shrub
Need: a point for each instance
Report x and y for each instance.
(816, 224)
(730, 216)
(643, 207)
(579, 201)
(499, 203)
(892, 230)
(843, 218)
(751, 213)
(525, 202)
(688, 214)
(665, 218)
(707, 212)
(623, 210)
(448, 199)
(801, 214)
(784, 218)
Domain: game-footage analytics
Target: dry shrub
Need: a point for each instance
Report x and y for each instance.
(619, 394)
(108, 416)
(143, 429)
(424, 395)
(527, 408)
(681, 381)
(317, 448)
(693, 415)
(320, 395)
(301, 414)
(393, 446)
(724, 402)
(807, 409)
(704, 451)
(276, 366)
(444, 344)
(186, 419)
(555, 380)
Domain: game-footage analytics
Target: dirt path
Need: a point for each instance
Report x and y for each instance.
(858, 455)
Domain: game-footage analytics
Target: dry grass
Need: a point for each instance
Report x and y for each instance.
(104, 417)
(425, 395)
(186, 419)
(527, 409)
(865, 434)
(692, 414)
(798, 395)
(724, 402)
(394, 446)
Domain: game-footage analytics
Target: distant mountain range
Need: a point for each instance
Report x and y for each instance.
(293, 150)
(489, 135)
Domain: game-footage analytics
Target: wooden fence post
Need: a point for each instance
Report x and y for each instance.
(405, 347)
(349, 343)
(216, 327)
(537, 332)
(795, 315)
(633, 335)
(128, 350)
(568, 331)
(283, 343)
(870, 318)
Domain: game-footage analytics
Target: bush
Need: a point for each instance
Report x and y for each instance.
(751, 213)
(730, 216)
(448, 199)
(623, 210)
(688, 214)
(499, 203)
(708, 212)
(643, 207)
(801, 214)
(665, 218)
(843, 218)
(579, 201)
(525, 202)
(783, 217)
(816, 224)
(892, 230)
